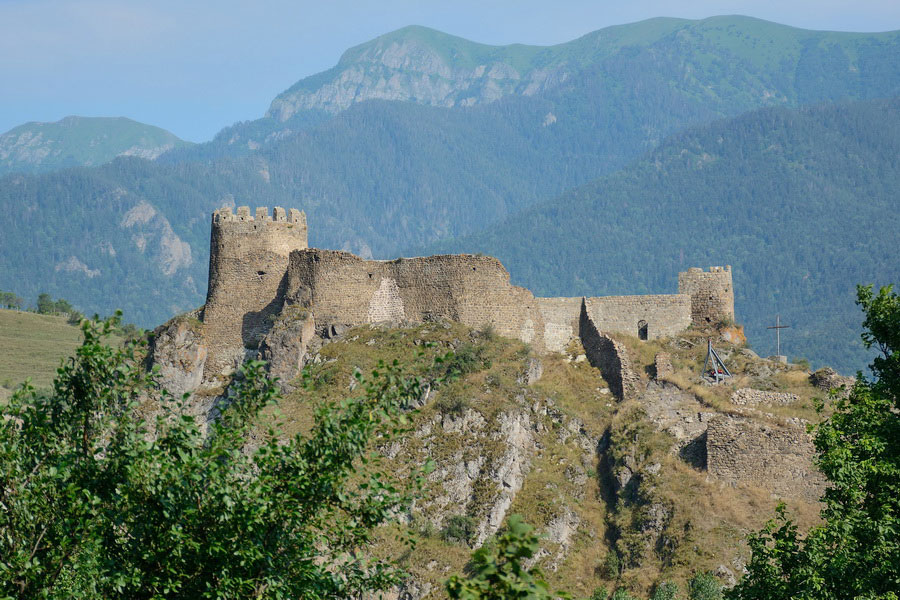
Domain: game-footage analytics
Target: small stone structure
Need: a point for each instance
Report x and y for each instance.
(778, 457)
(261, 265)
(751, 397)
(609, 356)
(827, 379)
(663, 365)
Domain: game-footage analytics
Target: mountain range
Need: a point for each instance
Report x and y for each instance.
(602, 165)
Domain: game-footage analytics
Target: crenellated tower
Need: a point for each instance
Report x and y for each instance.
(711, 292)
(248, 259)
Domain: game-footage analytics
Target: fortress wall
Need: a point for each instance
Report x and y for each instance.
(711, 292)
(777, 457)
(560, 316)
(665, 315)
(341, 288)
(609, 356)
(247, 264)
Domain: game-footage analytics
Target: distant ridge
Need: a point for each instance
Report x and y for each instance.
(80, 141)
(427, 66)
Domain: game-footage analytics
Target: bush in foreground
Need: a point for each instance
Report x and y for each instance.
(98, 502)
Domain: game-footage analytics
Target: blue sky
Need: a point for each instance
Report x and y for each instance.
(194, 66)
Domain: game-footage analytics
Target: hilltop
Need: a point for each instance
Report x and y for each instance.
(80, 141)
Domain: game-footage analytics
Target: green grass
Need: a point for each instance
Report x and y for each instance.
(33, 345)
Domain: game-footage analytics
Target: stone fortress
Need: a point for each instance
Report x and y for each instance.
(261, 267)
(272, 297)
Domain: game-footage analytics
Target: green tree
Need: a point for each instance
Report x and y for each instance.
(45, 304)
(498, 569)
(99, 502)
(855, 553)
(10, 300)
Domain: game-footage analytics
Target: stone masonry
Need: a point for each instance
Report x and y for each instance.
(711, 292)
(248, 261)
(260, 265)
(778, 457)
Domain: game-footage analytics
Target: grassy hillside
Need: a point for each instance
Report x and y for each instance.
(33, 345)
(77, 141)
(551, 451)
(802, 203)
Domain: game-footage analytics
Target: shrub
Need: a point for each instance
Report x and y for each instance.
(452, 404)
(99, 502)
(600, 593)
(705, 586)
(665, 591)
(612, 565)
(468, 358)
(459, 528)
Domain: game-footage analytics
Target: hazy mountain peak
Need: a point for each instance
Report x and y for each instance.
(422, 65)
(80, 141)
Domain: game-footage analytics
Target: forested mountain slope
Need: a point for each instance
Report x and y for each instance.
(802, 203)
(78, 141)
(383, 175)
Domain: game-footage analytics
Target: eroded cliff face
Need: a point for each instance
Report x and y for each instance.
(650, 479)
(409, 65)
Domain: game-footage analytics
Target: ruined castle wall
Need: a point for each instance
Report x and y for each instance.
(777, 457)
(711, 292)
(664, 315)
(560, 316)
(341, 288)
(609, 356)
(247, 265)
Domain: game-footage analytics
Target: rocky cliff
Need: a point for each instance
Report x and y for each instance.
(425, 66)
(627, 492)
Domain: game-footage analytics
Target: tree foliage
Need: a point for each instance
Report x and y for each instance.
(498, 570)
(101, 502)
(855, 553)
(10, 300)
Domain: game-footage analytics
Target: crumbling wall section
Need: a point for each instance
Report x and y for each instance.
(661, 315)
(776, 457)
(609, 356)
(343, 289)
(560, 316)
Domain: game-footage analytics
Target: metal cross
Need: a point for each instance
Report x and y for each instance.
(778, 327)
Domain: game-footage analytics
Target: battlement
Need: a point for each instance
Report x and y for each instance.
(725, 269)
(279, 215)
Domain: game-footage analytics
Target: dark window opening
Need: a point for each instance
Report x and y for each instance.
(642, 330)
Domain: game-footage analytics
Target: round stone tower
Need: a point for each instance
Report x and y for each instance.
(711, 292)
(248, 259)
